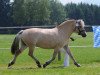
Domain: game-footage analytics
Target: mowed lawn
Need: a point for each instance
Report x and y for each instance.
(87, 56)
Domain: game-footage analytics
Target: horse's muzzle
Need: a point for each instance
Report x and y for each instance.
(83, 34)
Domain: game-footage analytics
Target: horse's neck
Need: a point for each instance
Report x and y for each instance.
(66, 28)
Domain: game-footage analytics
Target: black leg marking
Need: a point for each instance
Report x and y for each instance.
(10, 64)
(47, 63)
(38, 64)
(78, 65)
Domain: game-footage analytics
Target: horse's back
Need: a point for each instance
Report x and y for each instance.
(40, 37)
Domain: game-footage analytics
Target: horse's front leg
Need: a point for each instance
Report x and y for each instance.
(71, 56)
(54, 56)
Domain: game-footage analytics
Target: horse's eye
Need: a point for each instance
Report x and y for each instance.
(79, 27)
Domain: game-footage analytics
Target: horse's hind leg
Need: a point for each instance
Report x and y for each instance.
(31, 50)
(22, 47)
(59, 55)
(70, 54)
(14, 59)
(54, 56)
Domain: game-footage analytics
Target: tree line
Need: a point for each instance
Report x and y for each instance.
(45, 12)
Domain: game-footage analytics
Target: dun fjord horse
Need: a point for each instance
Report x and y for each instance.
(55, 38)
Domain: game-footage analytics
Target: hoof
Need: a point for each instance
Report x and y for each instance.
(39, 66)
(47, 63)
(44, 65)
(9, 65)
(78, 65)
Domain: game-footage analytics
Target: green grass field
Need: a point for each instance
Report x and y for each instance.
(88, 57)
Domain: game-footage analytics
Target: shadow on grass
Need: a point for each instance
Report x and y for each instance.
(21, 68)
(96, 61)
(31, 68)
(60, 67)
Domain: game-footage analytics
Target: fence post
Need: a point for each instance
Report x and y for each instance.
(66, 60)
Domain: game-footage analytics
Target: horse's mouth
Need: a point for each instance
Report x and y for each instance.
(83, 35)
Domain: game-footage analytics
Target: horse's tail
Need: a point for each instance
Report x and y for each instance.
(15, 44)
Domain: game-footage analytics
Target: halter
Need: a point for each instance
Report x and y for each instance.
(78, 27)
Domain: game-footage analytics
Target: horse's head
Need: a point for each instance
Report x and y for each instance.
(80, 28)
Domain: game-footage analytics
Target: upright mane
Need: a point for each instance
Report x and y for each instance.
(67, 22)
(81, 22)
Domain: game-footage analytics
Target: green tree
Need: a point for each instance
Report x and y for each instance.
(19, 12)
(89, 13)
(68, 9)
(31, 12)
(5, 19)
(58, 13)
(97, 15)
(38, 11)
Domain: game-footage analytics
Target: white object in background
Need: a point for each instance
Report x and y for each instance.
(66, 58)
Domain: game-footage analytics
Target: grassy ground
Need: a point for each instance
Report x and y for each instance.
(88, 57)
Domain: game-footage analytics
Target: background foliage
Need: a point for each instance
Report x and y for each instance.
(45, 12)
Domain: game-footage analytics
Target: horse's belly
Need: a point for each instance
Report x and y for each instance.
(50, 44)
(46, 45)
